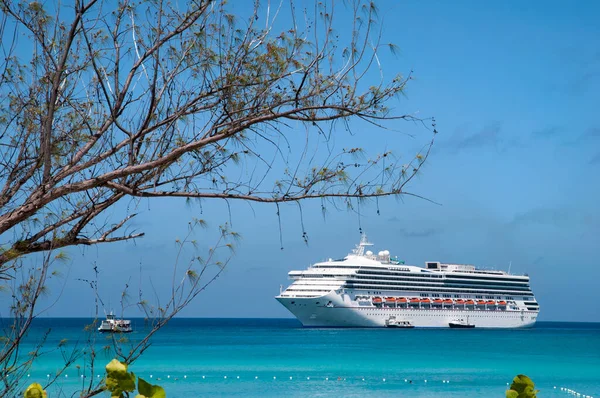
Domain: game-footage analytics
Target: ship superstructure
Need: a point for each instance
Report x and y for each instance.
(365, 289)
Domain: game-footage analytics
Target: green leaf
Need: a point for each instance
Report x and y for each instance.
(147, 390)
(35, 390)
(524, 386)
(512, 394)
(118, 380)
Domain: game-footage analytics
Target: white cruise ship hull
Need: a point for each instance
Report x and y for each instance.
(332, 310)
(365, 289)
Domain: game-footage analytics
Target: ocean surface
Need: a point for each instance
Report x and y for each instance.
(277, 357)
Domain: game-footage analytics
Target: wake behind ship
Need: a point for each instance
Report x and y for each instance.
(365, 289)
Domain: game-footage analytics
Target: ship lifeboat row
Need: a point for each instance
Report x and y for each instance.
(436, 301)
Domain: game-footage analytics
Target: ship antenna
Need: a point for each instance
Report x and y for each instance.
(509, 265)
(360, 248)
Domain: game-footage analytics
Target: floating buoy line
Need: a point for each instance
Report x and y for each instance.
(574, 393)
(566, 390)
(308, 378)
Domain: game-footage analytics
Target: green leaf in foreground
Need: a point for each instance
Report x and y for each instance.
(512, 394)
(522, 387)
(118, 380)
(35, 390)
(147, 390)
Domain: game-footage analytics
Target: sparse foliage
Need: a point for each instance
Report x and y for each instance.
(118, 381)
(102, 102)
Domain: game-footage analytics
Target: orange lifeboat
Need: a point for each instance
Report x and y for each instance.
(425, 301)
(502, 303)
(401, 300)
(447, 301)
(438, 301)
(415, 300)
(470, 302)
(460, 301)
(480, 302)
(377, 300)
(390, 300)
(491, 302)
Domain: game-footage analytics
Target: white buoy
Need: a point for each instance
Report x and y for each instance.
(185, 376)
(82, 376)
(98, 376)
(27, 374)
(255, 377)
(238, 377)
(447, 381)
(168, 376)
(425, 381)
(274, 377)
(224, 377)
(383, 379)
(406, 381)
(203, 377)
(308, 378)
(150, 376)
(48, 375)
(363, 379)
(290, 377)
(327, 378)
(66, 375)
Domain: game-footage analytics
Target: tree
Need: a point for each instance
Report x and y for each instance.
(103, 102)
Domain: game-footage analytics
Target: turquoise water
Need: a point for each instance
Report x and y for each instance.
(276, 357)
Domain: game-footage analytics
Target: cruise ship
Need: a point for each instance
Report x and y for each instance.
(365, 289)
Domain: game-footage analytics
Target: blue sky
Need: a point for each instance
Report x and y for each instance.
(514, 87)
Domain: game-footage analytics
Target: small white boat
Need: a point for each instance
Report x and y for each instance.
(392, 322)
(461, 324)
(114, 325)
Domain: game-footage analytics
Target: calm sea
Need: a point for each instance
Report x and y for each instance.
(277, 357)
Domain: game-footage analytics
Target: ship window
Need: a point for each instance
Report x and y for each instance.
(293, 302)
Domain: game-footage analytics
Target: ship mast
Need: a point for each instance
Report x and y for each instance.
(360, 248)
